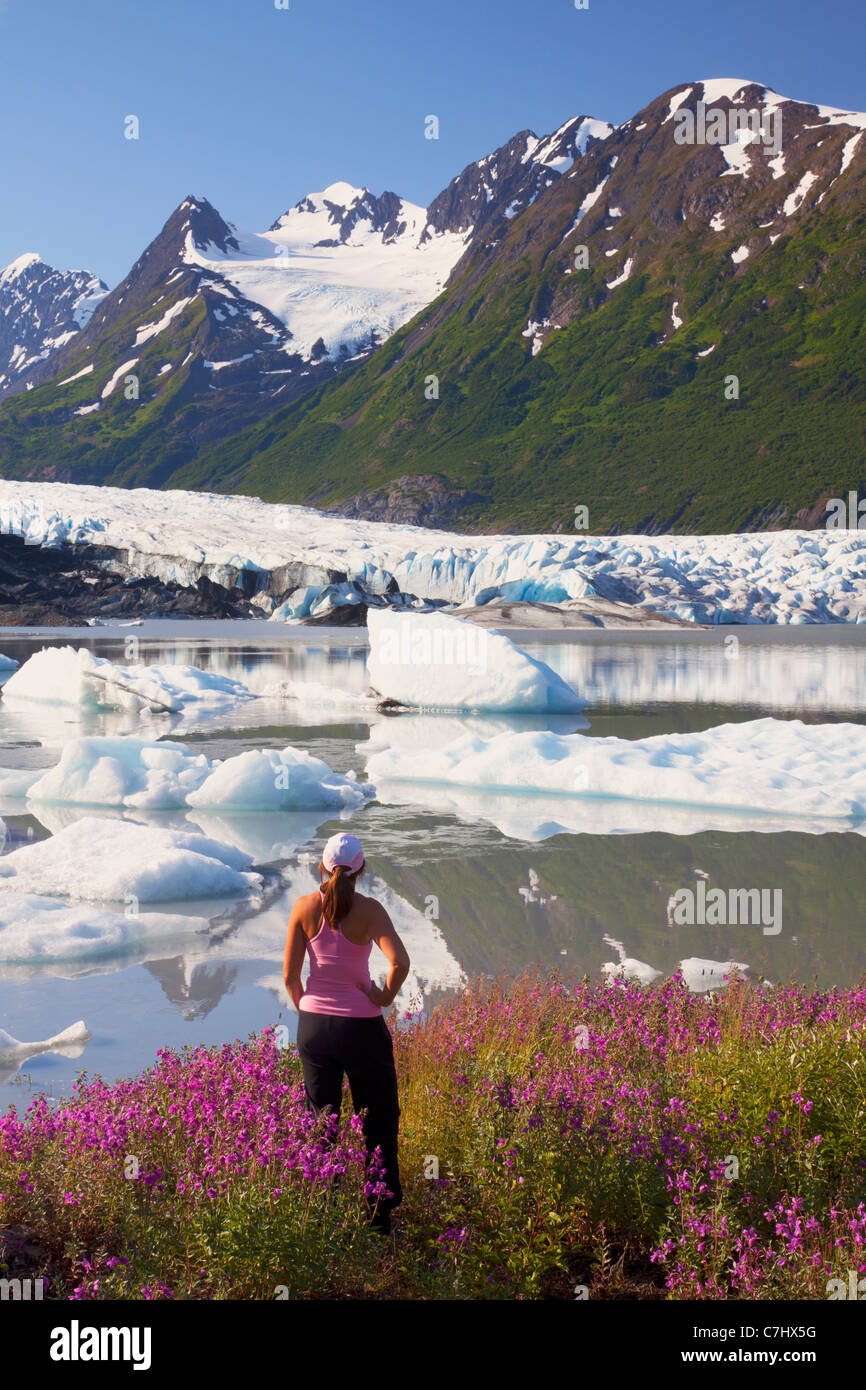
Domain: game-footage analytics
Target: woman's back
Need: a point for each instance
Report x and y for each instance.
(339, 963)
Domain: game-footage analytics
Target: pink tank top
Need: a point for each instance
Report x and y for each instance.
(337, 967)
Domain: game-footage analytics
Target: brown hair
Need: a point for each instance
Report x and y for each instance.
(338, 892)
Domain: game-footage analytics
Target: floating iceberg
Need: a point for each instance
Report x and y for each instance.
(316, 695)
(98, 860)
(64, 676)
(272, 780)
(756, 768)
(434, 661)
(155, 776)
(535, 816)
(70, 1042)
(7, 663)
(37, 930)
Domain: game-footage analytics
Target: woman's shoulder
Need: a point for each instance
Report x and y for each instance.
(371, 908)
(307, 904)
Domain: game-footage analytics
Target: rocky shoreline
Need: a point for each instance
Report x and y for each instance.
(60, 588)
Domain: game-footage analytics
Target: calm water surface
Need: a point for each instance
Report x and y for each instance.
(473, 882)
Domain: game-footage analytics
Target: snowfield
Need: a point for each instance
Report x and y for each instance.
(751, 577)
(332, 291)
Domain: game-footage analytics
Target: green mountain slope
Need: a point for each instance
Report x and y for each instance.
(617, 411)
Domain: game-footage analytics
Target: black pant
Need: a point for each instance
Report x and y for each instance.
(362, 1047)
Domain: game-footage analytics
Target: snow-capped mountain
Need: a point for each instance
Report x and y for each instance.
(41, 309)
(667, 336)
(582, 300)
(509, 180)
(267, 315)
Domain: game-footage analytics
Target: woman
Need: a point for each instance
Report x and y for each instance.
(340, 1023)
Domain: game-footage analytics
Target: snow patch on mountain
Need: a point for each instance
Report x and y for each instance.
(623, 276)
(342, 269)
(152, 330)
(794, 200)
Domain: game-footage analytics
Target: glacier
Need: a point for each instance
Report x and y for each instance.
(290, 555)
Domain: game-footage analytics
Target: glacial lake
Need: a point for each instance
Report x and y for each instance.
(475, 881)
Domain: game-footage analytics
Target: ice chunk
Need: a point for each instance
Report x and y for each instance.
(160, 775)
(432, 660)
(273, 780)
(98, 860)
(757, 767)
(627, 968)
(70, 1043)
(121, 772)
(62, 675)
(14, 783)
(35, 928)
(315, 694)
(7, 663)
(701, 975)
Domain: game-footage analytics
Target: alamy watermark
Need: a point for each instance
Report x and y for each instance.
(425, 643)
(716, 126)
(713, 907)
(846, 514)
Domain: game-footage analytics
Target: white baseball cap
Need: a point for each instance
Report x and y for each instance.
(345, 850)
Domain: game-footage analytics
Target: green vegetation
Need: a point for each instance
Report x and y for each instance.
(559, 1139)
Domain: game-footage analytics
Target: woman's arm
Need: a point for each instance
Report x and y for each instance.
(392, 948)
(293, 959)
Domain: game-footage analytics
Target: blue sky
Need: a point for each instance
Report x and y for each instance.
(253, 107)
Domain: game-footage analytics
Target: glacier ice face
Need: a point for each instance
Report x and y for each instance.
(97, 860)
(432, 660)
(751, 577)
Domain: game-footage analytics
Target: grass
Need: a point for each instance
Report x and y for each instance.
(559, 1139)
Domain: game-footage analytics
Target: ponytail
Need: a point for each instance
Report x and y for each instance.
(338, 892)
